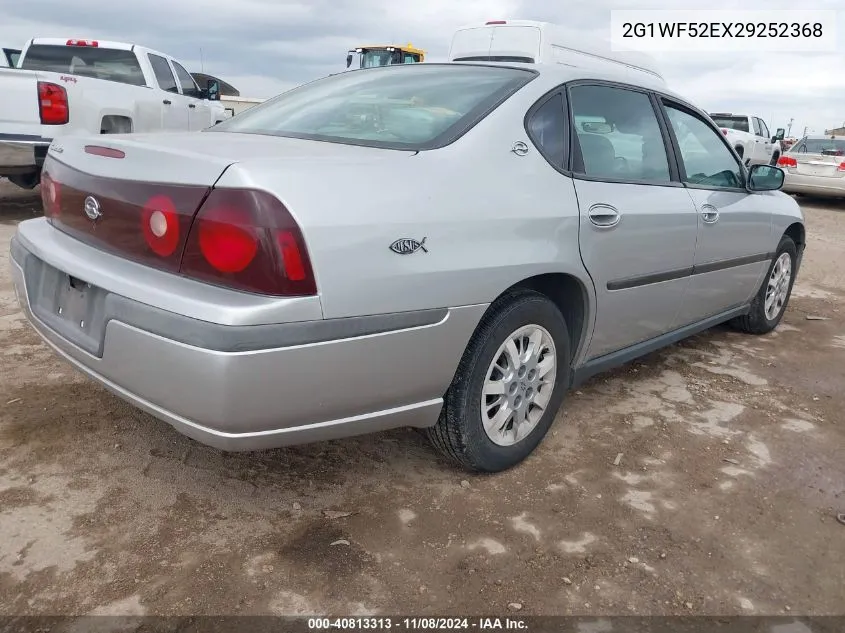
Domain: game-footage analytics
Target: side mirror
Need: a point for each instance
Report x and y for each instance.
(779, 135)
(349, 60)
(213, 90)
(765, 178)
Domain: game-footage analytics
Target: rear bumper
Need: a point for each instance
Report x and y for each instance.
(253, 387)
(21, 154)
(814, 185)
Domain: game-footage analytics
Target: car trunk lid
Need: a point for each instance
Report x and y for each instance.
(137, 195)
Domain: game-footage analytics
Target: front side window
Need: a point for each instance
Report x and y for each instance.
(619, 135)
(764, 129)
(407, 106)
(86, 61)
(546, 129)
(706, 160)
(189, 87)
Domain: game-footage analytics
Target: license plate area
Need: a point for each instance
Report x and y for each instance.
(70, 306)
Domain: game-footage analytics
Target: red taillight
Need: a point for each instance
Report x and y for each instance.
(107, 152)
(51, 192)
(91, 43)
(228, 241)
(52, 102)
(160, 224)
(787, 161)
(249, 241)
(496, 22)
(841, 167)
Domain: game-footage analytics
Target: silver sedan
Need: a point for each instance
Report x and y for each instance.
(815, 165)
(443, 246)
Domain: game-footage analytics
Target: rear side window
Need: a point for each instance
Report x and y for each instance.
(164, 76)
(408, 106)
(618, 134)
(98, 63)
(546, 128)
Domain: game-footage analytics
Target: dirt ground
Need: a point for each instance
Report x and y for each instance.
(724, 501)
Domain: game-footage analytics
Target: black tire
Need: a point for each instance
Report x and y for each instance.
(756, 321)
(775, 159)
(459, 433)
(740, 150)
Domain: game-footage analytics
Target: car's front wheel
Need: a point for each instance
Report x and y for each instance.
(770, 302)
(509, 384)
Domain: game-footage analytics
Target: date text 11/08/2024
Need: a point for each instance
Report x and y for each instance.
(417, 624)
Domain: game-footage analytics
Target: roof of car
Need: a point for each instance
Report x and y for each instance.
(553, 74)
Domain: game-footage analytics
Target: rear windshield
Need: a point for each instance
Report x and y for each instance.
(99, 63)
(828, 146)
(732, 122)
(414, 106)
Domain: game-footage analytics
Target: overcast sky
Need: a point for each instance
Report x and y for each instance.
(263, 47)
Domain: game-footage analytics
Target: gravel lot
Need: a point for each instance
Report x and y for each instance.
(724, 502)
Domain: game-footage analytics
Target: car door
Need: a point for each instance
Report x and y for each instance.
(734, 226)
(637, 223)
(762, 142)
(199, 111)
(174, 110)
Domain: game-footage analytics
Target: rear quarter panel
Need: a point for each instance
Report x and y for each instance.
(89, 100)
(489, 218)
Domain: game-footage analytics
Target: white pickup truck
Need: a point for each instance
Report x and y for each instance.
(71, 87)
(750, 137)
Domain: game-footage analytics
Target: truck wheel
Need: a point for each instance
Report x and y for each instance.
(775, 159)
(740, 150)
(508, 387)
(769, 303)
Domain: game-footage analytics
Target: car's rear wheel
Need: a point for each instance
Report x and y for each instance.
(508, 386)
(771, 299)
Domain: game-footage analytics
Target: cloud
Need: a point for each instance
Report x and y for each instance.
(264, 47)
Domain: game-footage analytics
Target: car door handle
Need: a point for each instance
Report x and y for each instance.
(192, 105)
(166, 102)
(709, 214)
(604, 215)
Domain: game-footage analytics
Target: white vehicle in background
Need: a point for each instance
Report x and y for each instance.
(750, 137)
(64, 87)
(9, 57)
(532, 42)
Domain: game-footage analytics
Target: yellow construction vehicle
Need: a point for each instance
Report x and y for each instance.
(385, 55)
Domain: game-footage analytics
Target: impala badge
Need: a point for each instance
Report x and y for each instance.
(92, 208)
(407, 246)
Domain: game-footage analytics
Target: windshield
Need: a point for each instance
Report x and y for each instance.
(415, 106)
(99, 63)
(739, 123)
(829, 146)
(377, 57)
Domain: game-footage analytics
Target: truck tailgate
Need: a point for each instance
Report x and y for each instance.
(19, 112)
